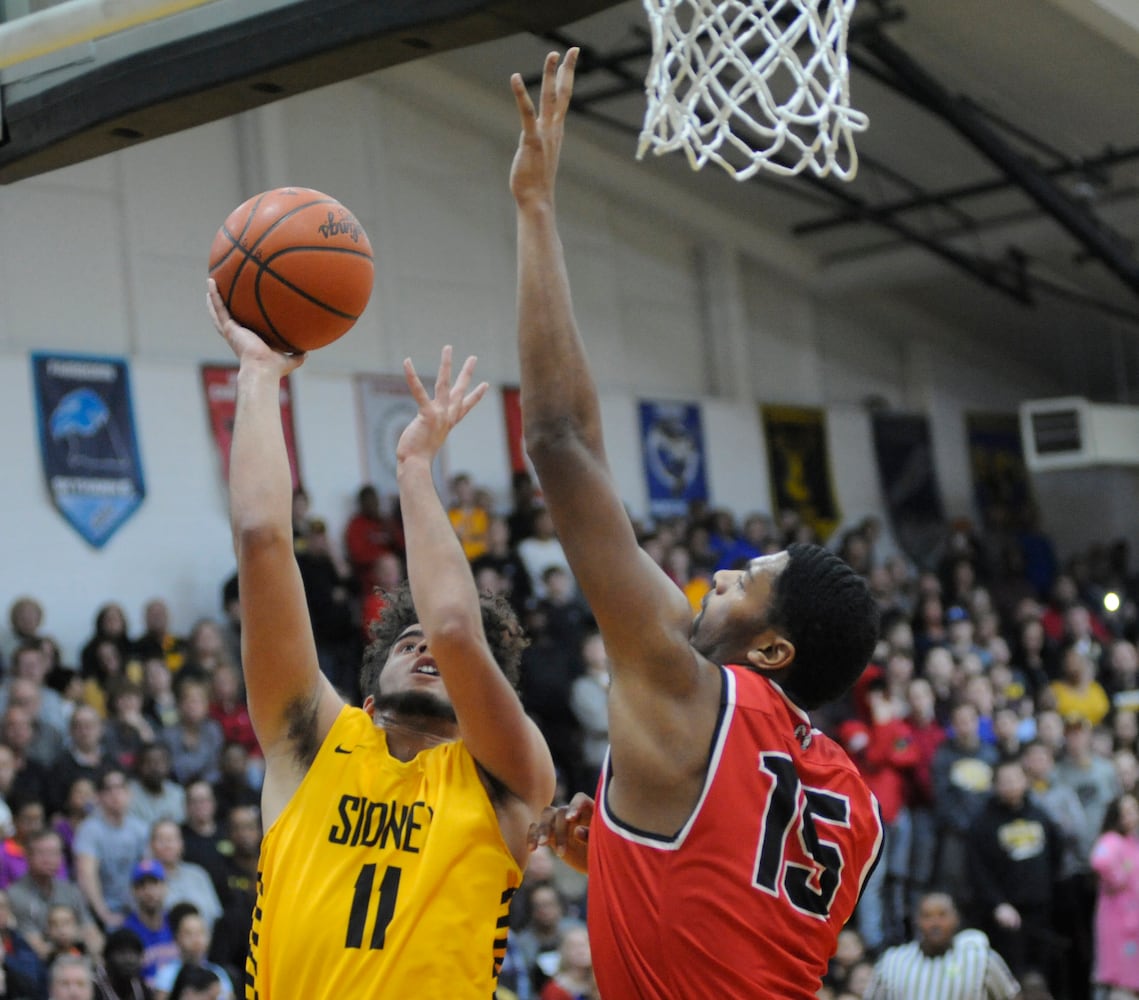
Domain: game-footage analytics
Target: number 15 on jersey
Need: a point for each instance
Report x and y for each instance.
(793, 859)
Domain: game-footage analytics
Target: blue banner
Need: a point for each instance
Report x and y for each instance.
(87, 440)
(672, 441)
(1002, 487)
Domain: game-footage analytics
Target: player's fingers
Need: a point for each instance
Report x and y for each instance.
(525, 104)
(565, 78)
(472, 399)
(463, 379)
(215, 305)
(541, 831)
(560, 833)
(295, 361)
(580, 808)
(443, 379)
(549, 83)
(418, 393)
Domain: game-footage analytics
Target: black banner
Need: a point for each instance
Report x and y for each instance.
(908, 479)
(799, 465)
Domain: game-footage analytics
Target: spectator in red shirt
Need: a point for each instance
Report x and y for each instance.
(573, 979)
(928, 734)
(881, 744)
(228, 708)
(389, 573)
(1060, 623)
(369, 535)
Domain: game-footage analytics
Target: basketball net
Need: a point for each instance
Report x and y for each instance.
(760, 85)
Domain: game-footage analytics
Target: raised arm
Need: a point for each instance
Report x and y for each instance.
(492, 723)
(643, 615)
(291, 704)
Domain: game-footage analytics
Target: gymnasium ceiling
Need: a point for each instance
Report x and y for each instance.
(1029, 243)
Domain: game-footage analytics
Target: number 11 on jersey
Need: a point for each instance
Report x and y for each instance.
(385, 906)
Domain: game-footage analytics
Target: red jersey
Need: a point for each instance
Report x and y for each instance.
(747, 899)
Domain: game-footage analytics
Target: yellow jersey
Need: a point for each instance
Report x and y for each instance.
(382, 878)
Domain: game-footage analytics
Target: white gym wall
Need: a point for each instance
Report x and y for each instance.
(109, 257)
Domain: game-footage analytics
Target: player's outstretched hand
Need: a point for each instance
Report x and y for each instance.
(539, 148)
(244, 342)
(566, 830)
(437, 414)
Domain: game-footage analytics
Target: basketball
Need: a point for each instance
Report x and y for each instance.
(294, 266)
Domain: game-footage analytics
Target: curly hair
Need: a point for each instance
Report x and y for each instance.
(827, 612)
(504, 635)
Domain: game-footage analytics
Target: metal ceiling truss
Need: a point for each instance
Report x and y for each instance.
(871, 51)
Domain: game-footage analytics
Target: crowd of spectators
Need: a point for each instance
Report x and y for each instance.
(129, 822)
(996, 723)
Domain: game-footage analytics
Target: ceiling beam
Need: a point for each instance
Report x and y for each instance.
(948, 196)
(1104, 243)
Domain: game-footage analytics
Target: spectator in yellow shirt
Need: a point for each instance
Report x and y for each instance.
(1077, 692)
(470, 520)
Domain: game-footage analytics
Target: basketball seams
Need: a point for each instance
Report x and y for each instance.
(266, 269)
(249, 253)
(236, 243)
(264, 289)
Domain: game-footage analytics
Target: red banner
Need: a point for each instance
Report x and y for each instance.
(220, 385)
(512, 412)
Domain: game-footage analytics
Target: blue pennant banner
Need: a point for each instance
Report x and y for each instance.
(87, 439)
(672, 443)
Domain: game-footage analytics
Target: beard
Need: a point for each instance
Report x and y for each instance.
(698, 620)
(421, 704)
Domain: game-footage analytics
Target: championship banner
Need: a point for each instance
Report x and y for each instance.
(904, 451)
(799, 465)
(1001, 484)
(672, 443)
(87, 441)
(512, 415)
(220, 385)
(385, 407)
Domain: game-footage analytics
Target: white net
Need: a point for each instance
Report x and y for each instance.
(760, 85)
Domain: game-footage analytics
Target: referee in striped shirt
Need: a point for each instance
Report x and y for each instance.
(944, 963)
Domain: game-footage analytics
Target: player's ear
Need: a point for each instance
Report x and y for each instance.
(771, 651)
(369, 706)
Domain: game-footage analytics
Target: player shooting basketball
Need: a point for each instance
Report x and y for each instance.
(731, 840)
(395, 835)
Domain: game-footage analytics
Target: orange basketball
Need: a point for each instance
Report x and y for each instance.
(294, 266)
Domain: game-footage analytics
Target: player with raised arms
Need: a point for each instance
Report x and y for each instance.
(396, 834)
(731, 839)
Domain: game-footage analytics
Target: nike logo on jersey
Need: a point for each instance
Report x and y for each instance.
(340, 749)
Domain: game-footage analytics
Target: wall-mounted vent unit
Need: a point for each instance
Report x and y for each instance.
(1072, 433)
